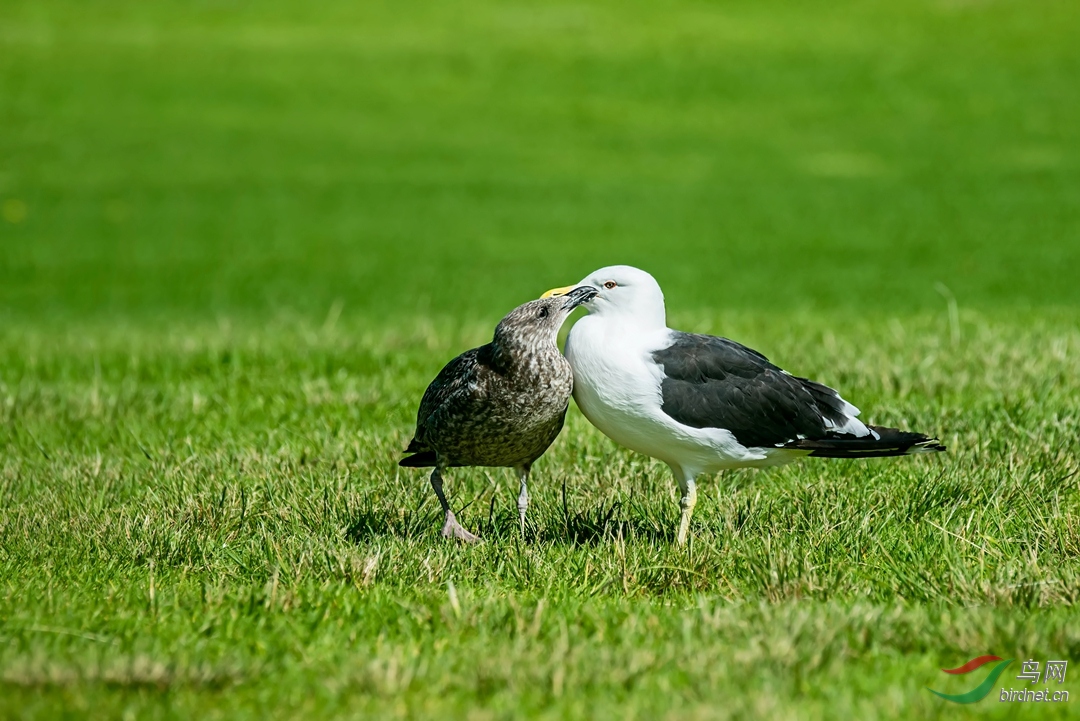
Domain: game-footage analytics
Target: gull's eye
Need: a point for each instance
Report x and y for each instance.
(610, 284)
(544, 312)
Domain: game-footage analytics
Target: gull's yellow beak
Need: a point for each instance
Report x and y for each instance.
(558, 291)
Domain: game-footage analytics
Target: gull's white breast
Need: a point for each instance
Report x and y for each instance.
(617, 387)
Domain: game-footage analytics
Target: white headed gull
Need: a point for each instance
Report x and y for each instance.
(699, 403)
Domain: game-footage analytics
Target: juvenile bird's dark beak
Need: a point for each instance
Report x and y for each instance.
(579, 295)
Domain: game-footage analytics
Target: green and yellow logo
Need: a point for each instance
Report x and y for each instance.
(979, 692)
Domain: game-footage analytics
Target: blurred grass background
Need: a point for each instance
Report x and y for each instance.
(198, 159)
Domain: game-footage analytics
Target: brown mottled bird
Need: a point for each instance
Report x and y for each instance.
(501, 404)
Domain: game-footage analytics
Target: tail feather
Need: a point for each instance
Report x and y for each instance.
(423, 456)
(890, 442)
(423, 459)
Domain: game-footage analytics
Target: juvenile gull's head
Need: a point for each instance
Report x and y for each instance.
(536, 324)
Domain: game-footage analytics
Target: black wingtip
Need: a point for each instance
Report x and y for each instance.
(890, 442)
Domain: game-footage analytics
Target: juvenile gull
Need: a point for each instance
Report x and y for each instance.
(699, 403)
(501, 404)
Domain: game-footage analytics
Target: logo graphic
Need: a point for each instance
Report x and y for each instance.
(979, 692)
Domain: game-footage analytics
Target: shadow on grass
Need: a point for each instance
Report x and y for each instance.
(603, 524)
(369, 524)
(593, 526)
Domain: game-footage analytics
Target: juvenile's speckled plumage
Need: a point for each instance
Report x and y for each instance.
(501, 404)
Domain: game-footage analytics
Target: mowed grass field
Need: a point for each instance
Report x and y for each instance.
(238, 240)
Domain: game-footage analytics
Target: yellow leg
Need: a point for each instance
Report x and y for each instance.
(687, 503)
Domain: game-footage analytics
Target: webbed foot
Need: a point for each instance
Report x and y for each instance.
(453, 529)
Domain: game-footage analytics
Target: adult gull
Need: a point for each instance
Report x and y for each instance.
(699, 403)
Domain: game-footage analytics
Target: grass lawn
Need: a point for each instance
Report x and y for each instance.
(237, 241)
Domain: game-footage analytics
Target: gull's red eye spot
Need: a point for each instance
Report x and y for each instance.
(610, 284)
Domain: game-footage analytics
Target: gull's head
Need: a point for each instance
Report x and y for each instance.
(622, 292)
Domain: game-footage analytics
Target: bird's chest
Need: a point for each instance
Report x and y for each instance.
(615, 385)
(512, 418)
(538, 392)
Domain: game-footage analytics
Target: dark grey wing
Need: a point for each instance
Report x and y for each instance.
(712, 382)
(456, 378)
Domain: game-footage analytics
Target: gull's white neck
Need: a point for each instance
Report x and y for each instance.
(636, 324)
(643, 317)
(598, 335)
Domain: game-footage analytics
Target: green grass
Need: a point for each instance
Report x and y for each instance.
(237, 240)
(202, 521)
(179, 157)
